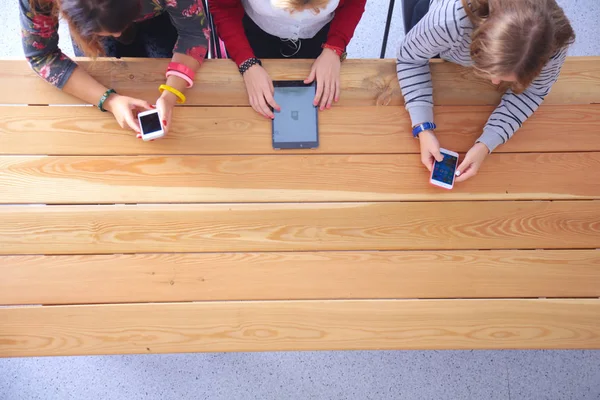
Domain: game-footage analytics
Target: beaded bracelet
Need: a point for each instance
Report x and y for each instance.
(105, 97)
(245, 66)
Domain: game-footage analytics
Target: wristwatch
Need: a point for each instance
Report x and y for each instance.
(425, 126)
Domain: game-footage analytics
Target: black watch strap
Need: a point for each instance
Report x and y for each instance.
(249, 63)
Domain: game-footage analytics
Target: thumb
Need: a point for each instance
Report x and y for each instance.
(464, 165)
(437, 155)
(312, 75)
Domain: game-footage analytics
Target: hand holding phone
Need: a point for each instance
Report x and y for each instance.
(470, 165)
(151, 126)
(443, 172)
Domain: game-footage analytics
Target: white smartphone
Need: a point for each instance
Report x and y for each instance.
(151, 125)
(443, 172)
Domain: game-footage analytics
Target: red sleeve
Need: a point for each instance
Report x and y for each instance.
(347, 16)
(228, 15)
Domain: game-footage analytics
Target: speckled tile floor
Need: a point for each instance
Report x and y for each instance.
(363, 375)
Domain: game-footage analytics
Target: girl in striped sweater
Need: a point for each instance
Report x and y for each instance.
(520, 43)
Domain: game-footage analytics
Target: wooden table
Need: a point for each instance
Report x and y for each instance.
(209, 240)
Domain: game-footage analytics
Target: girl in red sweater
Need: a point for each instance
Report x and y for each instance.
(314, 29)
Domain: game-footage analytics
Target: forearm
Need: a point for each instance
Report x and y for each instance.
(344, 23)
(175, 81)
(84, 87)
(228, 16)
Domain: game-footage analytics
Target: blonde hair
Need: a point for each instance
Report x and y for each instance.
(516, 37)
(300, 5)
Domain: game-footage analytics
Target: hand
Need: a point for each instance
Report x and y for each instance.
(165, 104)
(430, 149)
(472, 162)
(260, 91)
(326, 70)
(125, 110)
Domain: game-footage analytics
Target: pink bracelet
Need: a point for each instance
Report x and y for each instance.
(183, 76)
(184, 69)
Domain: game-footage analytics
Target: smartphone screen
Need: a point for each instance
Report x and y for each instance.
(150, 123)
(444, 171)
(296, 125)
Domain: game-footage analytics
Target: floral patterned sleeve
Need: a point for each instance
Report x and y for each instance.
(191, 23)
(39, 31)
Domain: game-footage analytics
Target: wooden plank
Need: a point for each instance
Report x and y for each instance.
(300, 325)
(299, 227)
(239, 130)
(307, 275)
(193, 179)
(364, 82)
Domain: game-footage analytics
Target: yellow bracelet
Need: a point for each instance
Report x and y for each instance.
(180, 96)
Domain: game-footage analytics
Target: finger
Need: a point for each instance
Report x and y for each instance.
(140, 104)
(325, 98)
(337, 90)
(265, 108)
(427, 162)
(261, 106)
(254, 107)
(332, 90)
(319, 93)
(463, 167)
(271, 100)
(469, 173)
(465, 170)
(311, 76)
(437, 154)
(132, 122)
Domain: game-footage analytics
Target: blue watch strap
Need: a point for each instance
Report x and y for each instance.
(426, 126)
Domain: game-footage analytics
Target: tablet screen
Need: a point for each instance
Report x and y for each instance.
(297, 120)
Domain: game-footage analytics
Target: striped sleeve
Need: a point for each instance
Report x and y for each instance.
(515, 109)
(437, 32)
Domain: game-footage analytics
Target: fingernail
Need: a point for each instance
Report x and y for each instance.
(457, 173)
(164, 122)
(153, 106)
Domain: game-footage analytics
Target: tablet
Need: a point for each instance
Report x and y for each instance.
(296, 125)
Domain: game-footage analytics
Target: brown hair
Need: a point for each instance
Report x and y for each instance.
(301, 5)
(516, 37)
(88, 18)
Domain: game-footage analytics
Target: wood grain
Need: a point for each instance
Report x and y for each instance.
(364, 82)
(239, 130)
(299, 227)
(293, 178)
(300, 325)
(307, 275)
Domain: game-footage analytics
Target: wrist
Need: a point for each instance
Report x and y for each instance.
(338, 51)
(483, 147)
(110, 101)
(169, 97)
(426, 134)
(249, 63)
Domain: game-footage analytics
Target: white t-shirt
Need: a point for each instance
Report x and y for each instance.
(283, 24)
